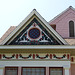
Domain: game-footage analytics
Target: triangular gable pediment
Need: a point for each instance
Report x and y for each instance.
(34, 34)
(34, 30)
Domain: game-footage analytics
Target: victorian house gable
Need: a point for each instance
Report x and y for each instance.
(35, 48)
(33, 30)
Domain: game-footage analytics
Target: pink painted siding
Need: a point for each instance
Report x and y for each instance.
(63, 71)
(19, 70)
(72, 69)
(62, 22)
(47, 70)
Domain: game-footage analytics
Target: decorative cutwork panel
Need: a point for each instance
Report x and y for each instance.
(35, 56)
(34, 34)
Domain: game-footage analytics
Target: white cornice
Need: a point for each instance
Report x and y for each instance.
(38, 47)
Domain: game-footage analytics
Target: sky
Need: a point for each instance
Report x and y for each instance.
(12, 12)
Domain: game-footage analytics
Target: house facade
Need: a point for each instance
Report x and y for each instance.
(38, 47)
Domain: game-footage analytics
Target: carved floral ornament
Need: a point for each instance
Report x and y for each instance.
(36, 56)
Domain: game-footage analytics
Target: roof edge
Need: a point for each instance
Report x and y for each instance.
(70, 7)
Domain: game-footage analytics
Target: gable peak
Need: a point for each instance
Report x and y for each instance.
(34, 9)
(70, 7)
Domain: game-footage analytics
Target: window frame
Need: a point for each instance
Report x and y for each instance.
(56, 68)
(10, 67)
(71, 23)
(33, 67)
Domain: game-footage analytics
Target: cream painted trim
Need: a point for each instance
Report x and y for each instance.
(36, 63)
(66, 68)
(22, 28)
(52, 30)
(34, 12)
(18, 27)
(37, 47)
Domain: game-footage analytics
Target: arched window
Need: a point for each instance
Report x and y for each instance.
(71, 28)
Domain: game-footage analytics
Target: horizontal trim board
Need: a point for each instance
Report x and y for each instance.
(37, 47)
